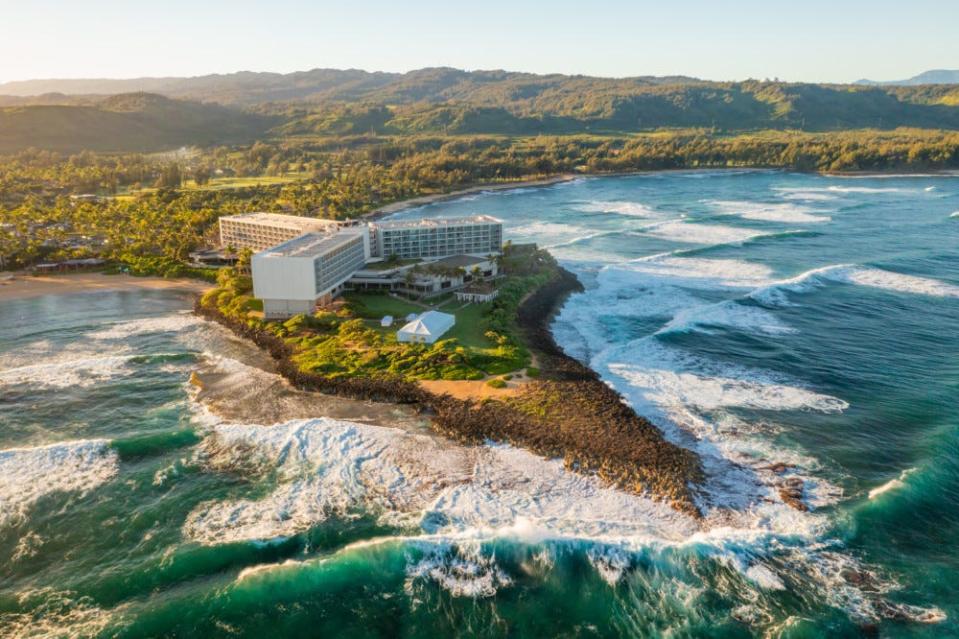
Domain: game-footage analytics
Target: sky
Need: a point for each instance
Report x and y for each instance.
(810, 40)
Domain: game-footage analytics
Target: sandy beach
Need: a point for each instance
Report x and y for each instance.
(22, 285)
(396, 207)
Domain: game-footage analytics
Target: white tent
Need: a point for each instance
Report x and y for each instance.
(427, 328)
(386, 321)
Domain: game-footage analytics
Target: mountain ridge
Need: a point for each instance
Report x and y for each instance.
(933, 76)
(135, 122)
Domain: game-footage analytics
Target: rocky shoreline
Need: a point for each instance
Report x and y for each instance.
(569, 413)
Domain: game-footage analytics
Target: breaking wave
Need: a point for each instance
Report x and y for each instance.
(29, 474)
(771, 212)
(775, 293)
(631, 209)
(163, 324)
(892, 484)
(329, 467)
(66, 373)
(712, 234)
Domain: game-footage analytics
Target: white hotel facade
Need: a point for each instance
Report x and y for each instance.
(437, 238)
(313, 260)
(260, 231)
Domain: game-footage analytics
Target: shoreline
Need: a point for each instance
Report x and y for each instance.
(20, 285)
(568, 414)
(423, 200)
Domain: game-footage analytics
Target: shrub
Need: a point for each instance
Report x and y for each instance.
(496, 382)
(532, 371)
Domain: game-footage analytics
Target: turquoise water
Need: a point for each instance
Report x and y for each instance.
(787, 327)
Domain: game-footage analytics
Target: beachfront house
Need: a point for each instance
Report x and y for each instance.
(427, 328)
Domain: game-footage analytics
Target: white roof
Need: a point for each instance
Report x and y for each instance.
(430, 323)
(435, 222)
(292, 222)
(310, 244)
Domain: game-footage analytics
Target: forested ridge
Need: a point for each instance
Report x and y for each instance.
(242, 107)
(156, 172)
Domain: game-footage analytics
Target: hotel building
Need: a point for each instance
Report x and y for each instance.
(435, 238)
(294, 276)
(260, 231)
(304, 261)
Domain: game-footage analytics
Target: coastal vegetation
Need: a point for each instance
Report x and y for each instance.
(349, 342)
(55, 206)
(564, 411)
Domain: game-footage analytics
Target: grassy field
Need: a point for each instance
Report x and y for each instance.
(221, 184)
(469, 329)
(375, 306)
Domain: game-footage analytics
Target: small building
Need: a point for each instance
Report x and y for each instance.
(213, 257)
(427, 328)
(436, 277)
(477, 293)
(387, 321)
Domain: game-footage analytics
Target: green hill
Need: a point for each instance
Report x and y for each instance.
(593, 106)
(129, 122)
(441, 101)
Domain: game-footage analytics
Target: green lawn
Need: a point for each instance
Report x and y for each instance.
(375, 306)
(221, 184)
(469, 325)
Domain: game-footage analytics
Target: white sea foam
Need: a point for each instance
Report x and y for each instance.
(163, 324)
(669, 377)
(462, 570)
(764, 577)
(805, 195)
(631, 209)
(774, 294)
(699, 272)
(549, 233)
(866, 189)
(694, 233)
(67, 372)
(327, 467)
(770, 212)
(611, 562)
(892, 484)
(954, 215)
(899, 282)
(729, 313)
(54, 614)
(658, 286)
(28, 474)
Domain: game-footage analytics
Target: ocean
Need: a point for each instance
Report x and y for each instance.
(791, 329)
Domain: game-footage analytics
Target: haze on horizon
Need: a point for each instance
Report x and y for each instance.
(821, 42)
